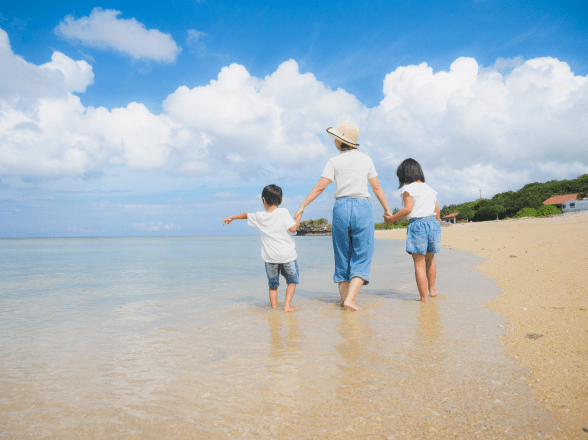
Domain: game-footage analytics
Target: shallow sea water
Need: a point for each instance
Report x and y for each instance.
(174, 338)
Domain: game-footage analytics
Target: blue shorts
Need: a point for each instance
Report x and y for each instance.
(423, 236)
(288, 271)
(353, 238)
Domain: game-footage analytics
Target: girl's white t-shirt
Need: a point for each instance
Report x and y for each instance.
(351, 171)
(277, 244)
(423, 199)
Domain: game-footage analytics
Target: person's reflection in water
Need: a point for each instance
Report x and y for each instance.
(283, 361)
(427, 358)
(428, 328)
(359, 381)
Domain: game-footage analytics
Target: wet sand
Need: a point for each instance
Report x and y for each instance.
(165, 362)
(541, 266)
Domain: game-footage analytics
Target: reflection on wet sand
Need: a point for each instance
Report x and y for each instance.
(283, 378)
(176, 368)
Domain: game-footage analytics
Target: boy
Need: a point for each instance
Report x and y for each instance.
(277, 245)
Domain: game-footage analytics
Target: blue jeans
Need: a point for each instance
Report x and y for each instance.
(353, 238)
(288, 271)
(423, 236)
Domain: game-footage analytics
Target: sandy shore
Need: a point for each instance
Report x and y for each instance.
(541, 266)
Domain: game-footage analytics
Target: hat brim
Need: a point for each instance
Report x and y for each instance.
(345, 141)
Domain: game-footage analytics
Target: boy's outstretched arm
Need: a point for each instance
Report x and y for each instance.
(297, 217)
(228, 220)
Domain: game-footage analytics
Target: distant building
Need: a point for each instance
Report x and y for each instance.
(453, 216)
(575, 205)
(558, 201)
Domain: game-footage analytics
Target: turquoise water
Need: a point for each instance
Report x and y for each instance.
(49, 281)
(174, 338)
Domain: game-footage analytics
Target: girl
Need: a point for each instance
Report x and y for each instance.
(423, 237)
(353, 220)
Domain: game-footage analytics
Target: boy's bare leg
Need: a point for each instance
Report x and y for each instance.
(431, 273)
(273, 297)
(354, 286)
(343, 290)
(420, 273)
(289, 295)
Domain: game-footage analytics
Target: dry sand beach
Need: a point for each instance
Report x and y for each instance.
(541, 266)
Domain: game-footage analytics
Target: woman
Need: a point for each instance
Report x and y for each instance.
(353, 221)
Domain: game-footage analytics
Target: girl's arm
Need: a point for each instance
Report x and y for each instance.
(228, 220)
(314, 193)
(379, 192)
(403, 212)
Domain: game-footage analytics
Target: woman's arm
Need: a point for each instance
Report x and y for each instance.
(403, 212)
(314, 193)
(228, 220)
(379, 192)
(437, 212)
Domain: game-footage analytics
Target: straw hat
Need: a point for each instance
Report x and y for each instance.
(346, 132)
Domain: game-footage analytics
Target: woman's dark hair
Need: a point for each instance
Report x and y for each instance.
(409, 171)
(272, 195)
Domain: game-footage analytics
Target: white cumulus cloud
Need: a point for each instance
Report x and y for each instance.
(469, 117)
(77, 75)
(104, 29)
(147, 227)
(471, 128)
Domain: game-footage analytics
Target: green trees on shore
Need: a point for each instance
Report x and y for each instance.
(510, 203)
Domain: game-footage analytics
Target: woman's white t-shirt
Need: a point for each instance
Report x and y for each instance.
(277, 244)
(351, 171)
(423, 199)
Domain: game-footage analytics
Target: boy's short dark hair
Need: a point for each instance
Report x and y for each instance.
(272, 195)
(345, 147)
(409, 171)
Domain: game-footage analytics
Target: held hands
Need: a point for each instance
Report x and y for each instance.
(388, 218)
(298, 212)
(297, 216)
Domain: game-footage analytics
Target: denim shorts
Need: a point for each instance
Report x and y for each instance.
(423, 236)
(353, 238)
(288, 271)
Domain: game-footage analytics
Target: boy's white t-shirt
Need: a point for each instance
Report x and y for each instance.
(277, 244)
(423, 199)
(351, 170)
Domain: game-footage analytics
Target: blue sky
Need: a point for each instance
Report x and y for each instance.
(161, 118)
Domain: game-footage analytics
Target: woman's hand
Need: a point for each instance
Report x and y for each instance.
(227, 221)
(314, 193)
(379, 192)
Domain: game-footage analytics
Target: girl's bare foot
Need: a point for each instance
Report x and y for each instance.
(290, 308)
(425, 299)
(433, 293)
(350, 306)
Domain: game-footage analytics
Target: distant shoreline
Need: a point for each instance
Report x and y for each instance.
(299, 234)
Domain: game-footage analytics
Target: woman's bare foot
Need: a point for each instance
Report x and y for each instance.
(425, 299)
(350, 306)
(433, 293)
(290, 308)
